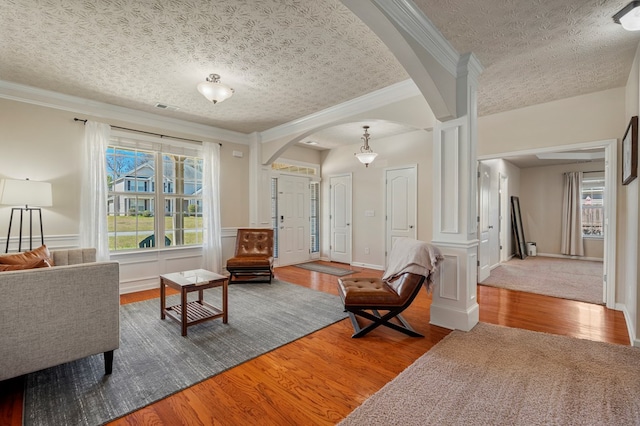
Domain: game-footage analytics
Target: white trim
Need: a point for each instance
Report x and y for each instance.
(50, 99)
(367, 265)
(563, 256)
(630, 324)
(421, 29)
(379, 98)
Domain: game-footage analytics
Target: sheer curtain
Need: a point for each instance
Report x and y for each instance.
(572, 243)
(212, 244)
(93, 191)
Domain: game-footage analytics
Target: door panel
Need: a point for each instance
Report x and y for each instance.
(293, 205)
(484, 207)
(401, 202)
(340, 219)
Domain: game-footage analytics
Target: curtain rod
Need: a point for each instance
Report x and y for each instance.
(595, 171)
(147, 133)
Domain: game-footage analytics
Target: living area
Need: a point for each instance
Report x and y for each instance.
(180, 175)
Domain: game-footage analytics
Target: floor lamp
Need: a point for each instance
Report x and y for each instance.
(27, 193)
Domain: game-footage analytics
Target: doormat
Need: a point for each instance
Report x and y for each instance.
(325, 269)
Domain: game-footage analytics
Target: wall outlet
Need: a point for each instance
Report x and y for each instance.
(238, 154)
(366, 250)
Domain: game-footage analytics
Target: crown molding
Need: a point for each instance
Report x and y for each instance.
(379, 98)
(50, 99)
(412, 20)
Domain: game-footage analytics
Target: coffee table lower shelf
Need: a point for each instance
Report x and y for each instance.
(196, 312)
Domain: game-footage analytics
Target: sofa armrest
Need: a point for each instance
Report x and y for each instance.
(49, 316)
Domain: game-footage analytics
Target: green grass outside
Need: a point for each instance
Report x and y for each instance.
(145, 227)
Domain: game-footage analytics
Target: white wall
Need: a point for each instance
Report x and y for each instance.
(413, 148)
(628, 202)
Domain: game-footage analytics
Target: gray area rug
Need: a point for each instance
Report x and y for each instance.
(496, 375)
(155, 361)
(564, 278)
(325, 269)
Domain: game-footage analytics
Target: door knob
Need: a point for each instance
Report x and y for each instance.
(410, 226)
(348, 224)
(490, 226)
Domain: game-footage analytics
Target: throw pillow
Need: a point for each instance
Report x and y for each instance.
(41, 252)
(37, 263)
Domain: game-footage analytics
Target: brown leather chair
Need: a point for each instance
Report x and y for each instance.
(365, 297)
(253, 260)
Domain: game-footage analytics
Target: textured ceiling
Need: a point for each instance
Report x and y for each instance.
(535, 51)
(290, 58)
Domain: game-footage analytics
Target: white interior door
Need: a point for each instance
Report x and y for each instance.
(484, 207)
(293, 220)
(401, 201)
(340, 218)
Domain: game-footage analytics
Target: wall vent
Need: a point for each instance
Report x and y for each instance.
(167, 107)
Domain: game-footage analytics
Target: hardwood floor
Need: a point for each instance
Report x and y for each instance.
(321, 378)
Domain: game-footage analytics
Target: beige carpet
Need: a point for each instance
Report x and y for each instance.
(496, 375)
(565, 278)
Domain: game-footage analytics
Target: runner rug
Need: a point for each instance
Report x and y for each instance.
(325, 269)
(155, 361)
(496, 375)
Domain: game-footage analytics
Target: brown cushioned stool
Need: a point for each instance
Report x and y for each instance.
(361, 295)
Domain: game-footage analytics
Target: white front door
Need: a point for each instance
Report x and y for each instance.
(293, 220)
(484, 207)
(401, 201)
(340, 218)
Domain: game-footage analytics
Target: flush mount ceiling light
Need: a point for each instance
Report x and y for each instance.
(213, 90)
(366, 154)
(629, 16)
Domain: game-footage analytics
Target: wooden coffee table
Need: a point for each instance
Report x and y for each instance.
(190, 313)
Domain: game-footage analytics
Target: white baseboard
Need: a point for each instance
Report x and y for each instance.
(630, 324)
(368, 265)
(562, 256)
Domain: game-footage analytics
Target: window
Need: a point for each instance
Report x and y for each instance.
(315, 216)
(593, 206)
(137, 213)
(274, 215)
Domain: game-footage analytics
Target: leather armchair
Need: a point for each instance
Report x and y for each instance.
(253, 259)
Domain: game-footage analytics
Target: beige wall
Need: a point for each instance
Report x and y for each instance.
(597, 116)
(541, 191)
(414, 148)
(43, 143)
(593, 117)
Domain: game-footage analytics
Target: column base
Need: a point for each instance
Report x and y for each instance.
(455, 319)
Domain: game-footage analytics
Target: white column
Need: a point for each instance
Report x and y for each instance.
(259, 186)
(455, 303)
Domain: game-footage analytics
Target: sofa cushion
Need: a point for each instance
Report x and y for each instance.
(36, 263)
(41, 252)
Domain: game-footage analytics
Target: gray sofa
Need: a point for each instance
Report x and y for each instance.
(49, 316)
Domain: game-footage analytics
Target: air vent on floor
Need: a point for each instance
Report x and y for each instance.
(167, 107)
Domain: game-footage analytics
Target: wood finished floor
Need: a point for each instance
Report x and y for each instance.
(321, 378)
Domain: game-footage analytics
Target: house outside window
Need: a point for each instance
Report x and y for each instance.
(137, 213)
(593, 206)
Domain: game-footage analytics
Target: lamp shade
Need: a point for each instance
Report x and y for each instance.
(629, 16)
(366, 158)
(214, 90)
(25, 193)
